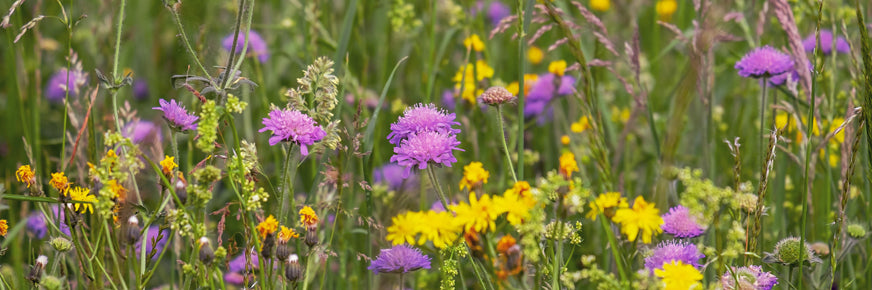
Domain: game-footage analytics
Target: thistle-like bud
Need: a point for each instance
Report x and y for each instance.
(206, 253)
(35, 274)
(856, 231)
(496, 96)
(282, 251)
(180, 187)
(61, 244)
(790, 251)
(51, 283)
(293, 271)
(312, 235)
(132, 234)
(268, 244)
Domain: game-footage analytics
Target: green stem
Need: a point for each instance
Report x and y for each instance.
(503, 141)
(178, 20)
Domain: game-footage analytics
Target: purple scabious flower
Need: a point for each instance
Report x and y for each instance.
(673, 250)
(37, 226)
(56, 90)
(140, 90)
(142, 131)
(151, 237)
(399, 259)
(391, 174)
(292, 126)
(256, 46)
(422, 148)
(238, 264)
(680, 223)
(496, 11)
(543, 91)
(750, 277)
(764, 62)
(422, 117)
(177, 116)
(781, 79)
(826, 47)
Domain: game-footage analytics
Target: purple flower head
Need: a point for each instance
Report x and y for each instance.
(496, 11)
(292, 126)
(37, 226)
(422, 117)
(234, 278)
(140, 90)
(793, 74)
(543, 91)
(680, 223)
(391, 174)
(238, 264)
(750, 277)
(764, 62)
(56, 89)
(668, 251)
(826, 47)
(256, 46)
(142, 131)
(399, 259)
(177, 116)
(422, 148)
(150, 237)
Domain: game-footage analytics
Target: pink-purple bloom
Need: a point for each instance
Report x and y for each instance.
(543, 91)
(56, 90)
(292, 126)
(826, 47)
(37, 226)
(142, 131)
(673, 250)
(782, 78)
(425, 147)
(152, 242)
(256, 45)
(750, 277)
(399, 259)
(391, 175)
(764, 62)
(680, 223)
(495, 11)
(422, 117)
(177, 116)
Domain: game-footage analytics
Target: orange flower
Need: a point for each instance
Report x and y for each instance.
(4, 227)
(25, 175)
(308, 216)
(286, 234)
(268, 226)
(59, 181)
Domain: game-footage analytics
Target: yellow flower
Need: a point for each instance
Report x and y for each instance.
(839, 137)
(535, 55)
(677, 275)
(600, 5)
(665, 9)
(308, 216)
(529, 81)
(478, 215)
(84, 200)
(268, 226)
(473, 175)
(516, 203)
(404, 228)
(439, 228)
(286, 234)
(564, 139)
(167, 165)
(620, 115)
(475, 42)
(118, 190)
(582, 125)
(481, 70)
(605, 203)
(557, 67)
(643, 216)
(4, 227)
(568, 164)
(59, 181)
(25, 175)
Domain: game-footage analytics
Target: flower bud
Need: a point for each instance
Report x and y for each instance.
(181, 188)
(856, 231)
(206, 253)
(496, 96)
(293, 271)
(61, 244)
(268, 244)
(35, 274)
(51, 283)
(132, 234)
(312, 235)
(282, 251)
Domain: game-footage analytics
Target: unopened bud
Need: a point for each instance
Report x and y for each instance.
(206, 253)
(61, 244)
(312, 235)
(133, 230)
(268, 244)
(293, 272)
(35, 274)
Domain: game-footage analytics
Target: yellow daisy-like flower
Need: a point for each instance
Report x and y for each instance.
(642, 217)
(308, 216)
(268, 226)
(4, 228)
(677, 275)
(568, 164)
(665, 9)
(286, 234)
(478, 215)
(474, 41)
(84, 200)
(438, 228)
(582, 125)
(120, 193)
(535, 55)
(564, 139)
(404, 228)
(25, 175)
(59, 181)
(600, 5)
(606, 202)
(516, 203)
(473, 175)
(557, 67)
(167, 165)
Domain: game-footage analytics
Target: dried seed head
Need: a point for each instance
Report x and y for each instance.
(132, 234)
(35, 274)
(496, 96)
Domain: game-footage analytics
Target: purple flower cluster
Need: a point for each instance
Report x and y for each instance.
(236, 268)
(256, 45)
(37, 226)
(547, 87)
(56, 90)
(391, 174)
(764, 62)
(177, 116)
(750, 277)
(793, 74)
(150, 237)
(680, 223)
(142, 131)
(399, 259)
(424, 134)
(669, 251)
(292, 126)
(826, 47)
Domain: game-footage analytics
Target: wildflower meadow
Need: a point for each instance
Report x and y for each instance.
(435, 144)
